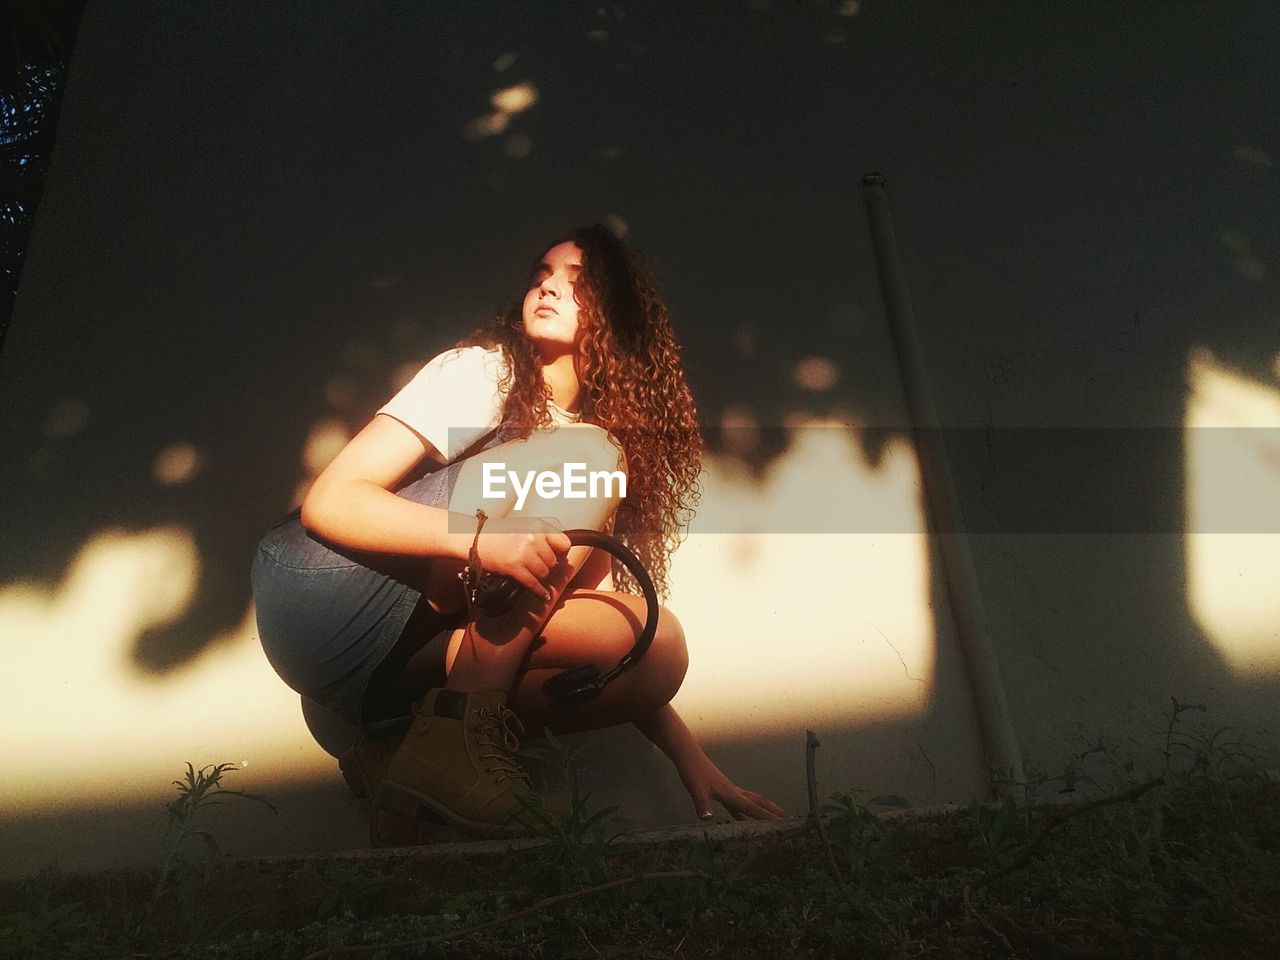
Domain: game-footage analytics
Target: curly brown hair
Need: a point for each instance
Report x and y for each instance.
(633, 385)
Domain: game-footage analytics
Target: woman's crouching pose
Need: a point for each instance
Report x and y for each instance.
(579, 389)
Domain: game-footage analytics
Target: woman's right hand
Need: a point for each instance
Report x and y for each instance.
(523, 548)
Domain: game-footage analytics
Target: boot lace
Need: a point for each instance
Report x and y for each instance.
(494, 729)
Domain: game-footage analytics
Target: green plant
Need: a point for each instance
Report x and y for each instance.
(856, 832)
(1185, 864)
(575, 835)
(994, 829)
(46, 928)
(1213, 754)
(197, 791)
(347, 892)
(718, 888)
(993, 826)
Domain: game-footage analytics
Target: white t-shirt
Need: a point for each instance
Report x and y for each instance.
(454, 400)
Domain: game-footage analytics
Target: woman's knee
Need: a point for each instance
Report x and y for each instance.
(668, 658)
(648, 686)
(662, 667)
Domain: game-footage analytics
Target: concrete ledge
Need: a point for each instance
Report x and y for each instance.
(731, 830)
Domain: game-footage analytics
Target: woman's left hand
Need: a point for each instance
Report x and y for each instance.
(706, 783)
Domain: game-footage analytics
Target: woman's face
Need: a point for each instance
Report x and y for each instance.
(550, 312)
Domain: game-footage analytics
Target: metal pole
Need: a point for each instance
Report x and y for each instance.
(999, 743)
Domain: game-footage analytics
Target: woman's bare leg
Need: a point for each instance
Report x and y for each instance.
(500, 664)
(495, 648)
(538, 639)
(597, 627)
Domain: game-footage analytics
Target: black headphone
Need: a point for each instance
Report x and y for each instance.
(495, 594)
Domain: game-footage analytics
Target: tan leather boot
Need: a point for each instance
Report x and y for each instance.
(365, 763)
(458, 763)
(363, 766)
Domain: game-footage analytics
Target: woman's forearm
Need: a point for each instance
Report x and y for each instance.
(360, 515)
(668, 732)
(351, 504)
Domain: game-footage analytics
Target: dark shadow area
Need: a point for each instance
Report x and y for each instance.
(256, 222)
(36, 41)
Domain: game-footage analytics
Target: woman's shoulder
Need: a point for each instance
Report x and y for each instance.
(453, 399)
(460, 365)
(474, 355)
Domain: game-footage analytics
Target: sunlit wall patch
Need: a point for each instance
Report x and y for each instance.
(176, 464)
(109, 734)
(506, 102)
(795, 629)
(1232, 483)
(324, 440)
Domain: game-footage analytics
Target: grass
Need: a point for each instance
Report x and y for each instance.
(1179, 857)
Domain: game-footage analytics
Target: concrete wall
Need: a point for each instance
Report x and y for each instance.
(256, 222)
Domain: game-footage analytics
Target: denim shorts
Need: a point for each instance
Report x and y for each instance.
(327, 616)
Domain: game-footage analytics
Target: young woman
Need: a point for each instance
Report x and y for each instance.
(359, 601)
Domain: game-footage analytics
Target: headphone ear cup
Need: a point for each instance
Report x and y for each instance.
(577, 698)
(570, 680)
(496, 594)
